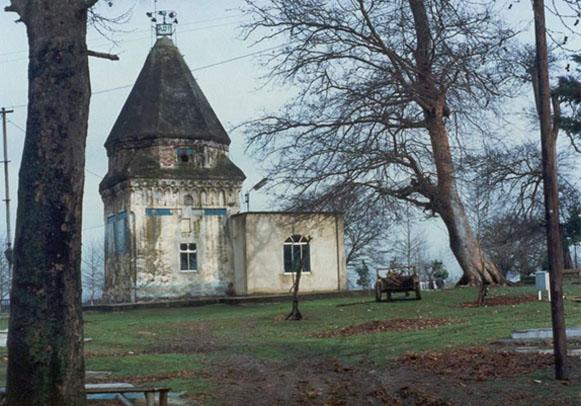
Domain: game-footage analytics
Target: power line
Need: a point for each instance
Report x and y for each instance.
(237, 58)
(24, 132)
(16, 125)
(200, 68)
(207, 20)
(94, 227)
(93, 173)
(132, 39)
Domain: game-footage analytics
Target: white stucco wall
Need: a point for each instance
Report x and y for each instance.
(156, 213)
(159, 238)
(260, 251)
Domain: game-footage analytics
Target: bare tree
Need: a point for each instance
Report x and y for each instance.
(380, 82)
(568, 92)
(93, 271)
(369, 218)
(45, 342)
(517, 244)
(507, 181)
(295, 313)
(410, 247)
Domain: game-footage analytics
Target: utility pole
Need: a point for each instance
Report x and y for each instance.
(549, 168)
(8, 251)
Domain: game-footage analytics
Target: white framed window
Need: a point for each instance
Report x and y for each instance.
(297, 250)
(188, 257)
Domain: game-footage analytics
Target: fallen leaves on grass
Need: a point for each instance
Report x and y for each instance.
(476, 364)
(502, 301)
(420, 398)
(187, 338)
(378, 326)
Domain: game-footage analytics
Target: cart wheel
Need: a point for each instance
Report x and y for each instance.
(378, 289)
(418, 292)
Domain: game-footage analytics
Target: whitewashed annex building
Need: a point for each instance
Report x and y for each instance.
(172, 204)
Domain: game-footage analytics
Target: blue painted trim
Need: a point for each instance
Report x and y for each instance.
(215, 212)
(158, 212)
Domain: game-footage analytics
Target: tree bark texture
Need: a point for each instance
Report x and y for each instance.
(551, 190)
(476, 266)
(45, 342)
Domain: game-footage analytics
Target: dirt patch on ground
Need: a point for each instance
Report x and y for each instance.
(502, 301)
(314, 382)
(410, 394)
(378, 326)
(477, 364)
(332, 382)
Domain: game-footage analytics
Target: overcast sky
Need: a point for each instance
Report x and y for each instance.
(208, 34)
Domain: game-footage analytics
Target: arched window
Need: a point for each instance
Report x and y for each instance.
(188, 200)
(296, 250)
(184, 155)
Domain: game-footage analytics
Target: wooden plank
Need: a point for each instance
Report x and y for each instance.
(163, 398)
(128, 389)
(123, 400)
(150, 399)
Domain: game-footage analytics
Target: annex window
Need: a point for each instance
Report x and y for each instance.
(188, 257)
(296, 249)
(185, 155)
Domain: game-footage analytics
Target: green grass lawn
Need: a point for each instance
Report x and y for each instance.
(174, 346)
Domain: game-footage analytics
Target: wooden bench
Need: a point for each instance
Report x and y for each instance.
(148, 392)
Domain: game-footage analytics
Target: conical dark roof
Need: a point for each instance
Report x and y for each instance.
(166, 102)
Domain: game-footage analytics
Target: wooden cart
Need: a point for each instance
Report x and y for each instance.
(403, 279)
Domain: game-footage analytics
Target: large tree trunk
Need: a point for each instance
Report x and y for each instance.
(476, 266)
(45, 342)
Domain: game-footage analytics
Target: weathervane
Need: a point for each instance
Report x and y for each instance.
(163, 20)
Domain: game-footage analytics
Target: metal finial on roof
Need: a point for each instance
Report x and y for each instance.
(164, 21)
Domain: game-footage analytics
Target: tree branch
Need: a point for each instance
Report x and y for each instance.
(90, 3)
(18, 7)
(103, 55)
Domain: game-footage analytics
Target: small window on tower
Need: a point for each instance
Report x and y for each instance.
(185, 155)
(188, 257)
